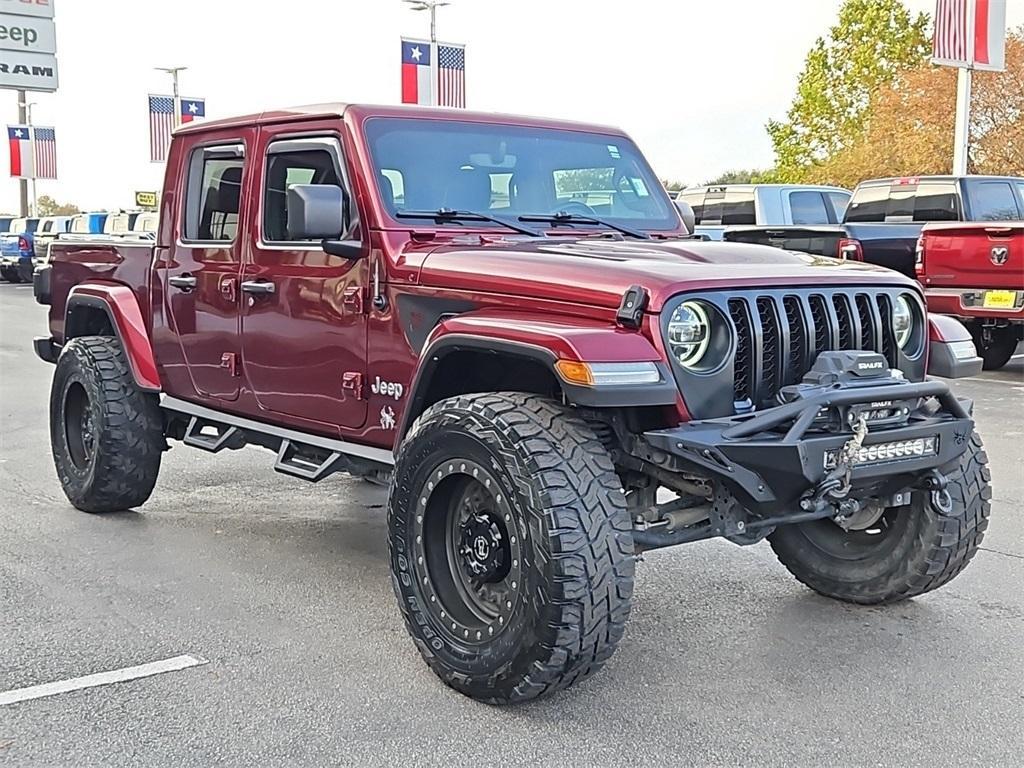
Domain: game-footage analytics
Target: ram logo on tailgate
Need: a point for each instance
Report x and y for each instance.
(999, 255)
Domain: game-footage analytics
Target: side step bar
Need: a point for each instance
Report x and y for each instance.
(310, 457)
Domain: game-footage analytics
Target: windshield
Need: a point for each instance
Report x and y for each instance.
(511, 171)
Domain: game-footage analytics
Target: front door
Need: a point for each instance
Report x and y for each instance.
(203, 266)
(303, 310)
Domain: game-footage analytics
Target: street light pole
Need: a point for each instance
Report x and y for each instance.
(173, 72)
(432, 6)
(23, 183)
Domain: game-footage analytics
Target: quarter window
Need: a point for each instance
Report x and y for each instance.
(313, 165)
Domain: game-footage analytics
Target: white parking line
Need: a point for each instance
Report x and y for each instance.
(100, 678)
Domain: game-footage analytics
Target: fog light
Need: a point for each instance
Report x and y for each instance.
(880, 452)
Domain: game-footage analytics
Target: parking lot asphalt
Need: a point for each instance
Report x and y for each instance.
(283, 588)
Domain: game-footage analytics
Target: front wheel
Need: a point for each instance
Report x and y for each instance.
(908, 551)
(105, 433)
(511, 547)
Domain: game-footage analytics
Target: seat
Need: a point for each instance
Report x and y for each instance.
(387, 190)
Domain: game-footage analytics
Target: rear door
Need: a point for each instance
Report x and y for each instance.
(993, 200)
(201, 274)
(304, 333)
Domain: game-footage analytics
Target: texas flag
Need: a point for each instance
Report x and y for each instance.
(191, 109)
(21, 151)
(417, 82)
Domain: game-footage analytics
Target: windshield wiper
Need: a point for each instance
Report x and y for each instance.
(564, 217)
(453, 214)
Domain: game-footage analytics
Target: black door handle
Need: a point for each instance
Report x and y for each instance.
(185, 282)
(261, 287)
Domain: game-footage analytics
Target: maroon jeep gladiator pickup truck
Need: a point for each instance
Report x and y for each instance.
(505, 316)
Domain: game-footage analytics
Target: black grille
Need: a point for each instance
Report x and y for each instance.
(771, 342)
(744, 364)
(846, 340)
(797, 338)
(819, 316)
(788, 324)
(867, 322)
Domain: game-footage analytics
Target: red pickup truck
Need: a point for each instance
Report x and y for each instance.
(975, 272)
(506, 317)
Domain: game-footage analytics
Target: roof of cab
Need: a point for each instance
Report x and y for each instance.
(363, 111)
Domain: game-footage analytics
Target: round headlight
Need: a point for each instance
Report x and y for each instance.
(689, 332)
(902, 320)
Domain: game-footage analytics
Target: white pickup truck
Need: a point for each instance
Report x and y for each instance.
(716, 208)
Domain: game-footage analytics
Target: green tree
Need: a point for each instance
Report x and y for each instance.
(47, 206)
(672, 186)
(738, 176)
(873, 41)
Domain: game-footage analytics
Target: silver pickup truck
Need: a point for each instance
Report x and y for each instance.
(717, 208)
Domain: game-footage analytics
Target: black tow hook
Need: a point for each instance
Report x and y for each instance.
(935, 482)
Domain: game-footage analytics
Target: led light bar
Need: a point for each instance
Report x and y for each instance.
(882, 452)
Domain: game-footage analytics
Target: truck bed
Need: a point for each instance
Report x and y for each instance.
(126, 262)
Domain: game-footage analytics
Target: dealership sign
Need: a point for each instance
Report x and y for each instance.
(28, 45)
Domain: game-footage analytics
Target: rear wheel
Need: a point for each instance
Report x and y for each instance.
(106, 434)
(906, 552)
(511, 548)
(995, 345)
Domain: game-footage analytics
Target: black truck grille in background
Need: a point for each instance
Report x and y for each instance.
(779, 336)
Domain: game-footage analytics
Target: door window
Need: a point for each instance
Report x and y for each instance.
(808, 207)
(214, 194)
(290, 165)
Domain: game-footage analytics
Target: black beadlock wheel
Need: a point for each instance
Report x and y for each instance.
(908, 551)
(511, 548)
(106, 434)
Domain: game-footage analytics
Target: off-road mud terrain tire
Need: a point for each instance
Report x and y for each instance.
(923, 550)
(550, 480)
(93, 393)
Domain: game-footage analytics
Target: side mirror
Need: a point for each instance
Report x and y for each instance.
(315, 211)
(686, 212)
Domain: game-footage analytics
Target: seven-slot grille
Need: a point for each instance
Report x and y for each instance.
(779, 336)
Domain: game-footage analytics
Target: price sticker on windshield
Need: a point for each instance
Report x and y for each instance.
(614, 151)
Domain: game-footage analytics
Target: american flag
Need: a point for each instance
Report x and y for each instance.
(451, 75)
(45, 141)
(161, 124)
(970, 33)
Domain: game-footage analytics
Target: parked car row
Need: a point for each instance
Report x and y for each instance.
(962, 237)
(25, 242)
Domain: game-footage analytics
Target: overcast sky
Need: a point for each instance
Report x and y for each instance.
(692, 81)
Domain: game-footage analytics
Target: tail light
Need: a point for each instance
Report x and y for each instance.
(22, 244)
(919, 258)
(850, 249)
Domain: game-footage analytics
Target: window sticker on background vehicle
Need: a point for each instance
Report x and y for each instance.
(614, 151)
(639, 187)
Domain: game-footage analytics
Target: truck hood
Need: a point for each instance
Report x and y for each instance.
(597, 271)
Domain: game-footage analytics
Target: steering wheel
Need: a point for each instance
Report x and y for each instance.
(575, 207)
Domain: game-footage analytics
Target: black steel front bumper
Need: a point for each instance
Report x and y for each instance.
(772, 458)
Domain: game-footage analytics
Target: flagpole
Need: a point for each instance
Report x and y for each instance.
(32, 151)
(962, 126)
(173, 72)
